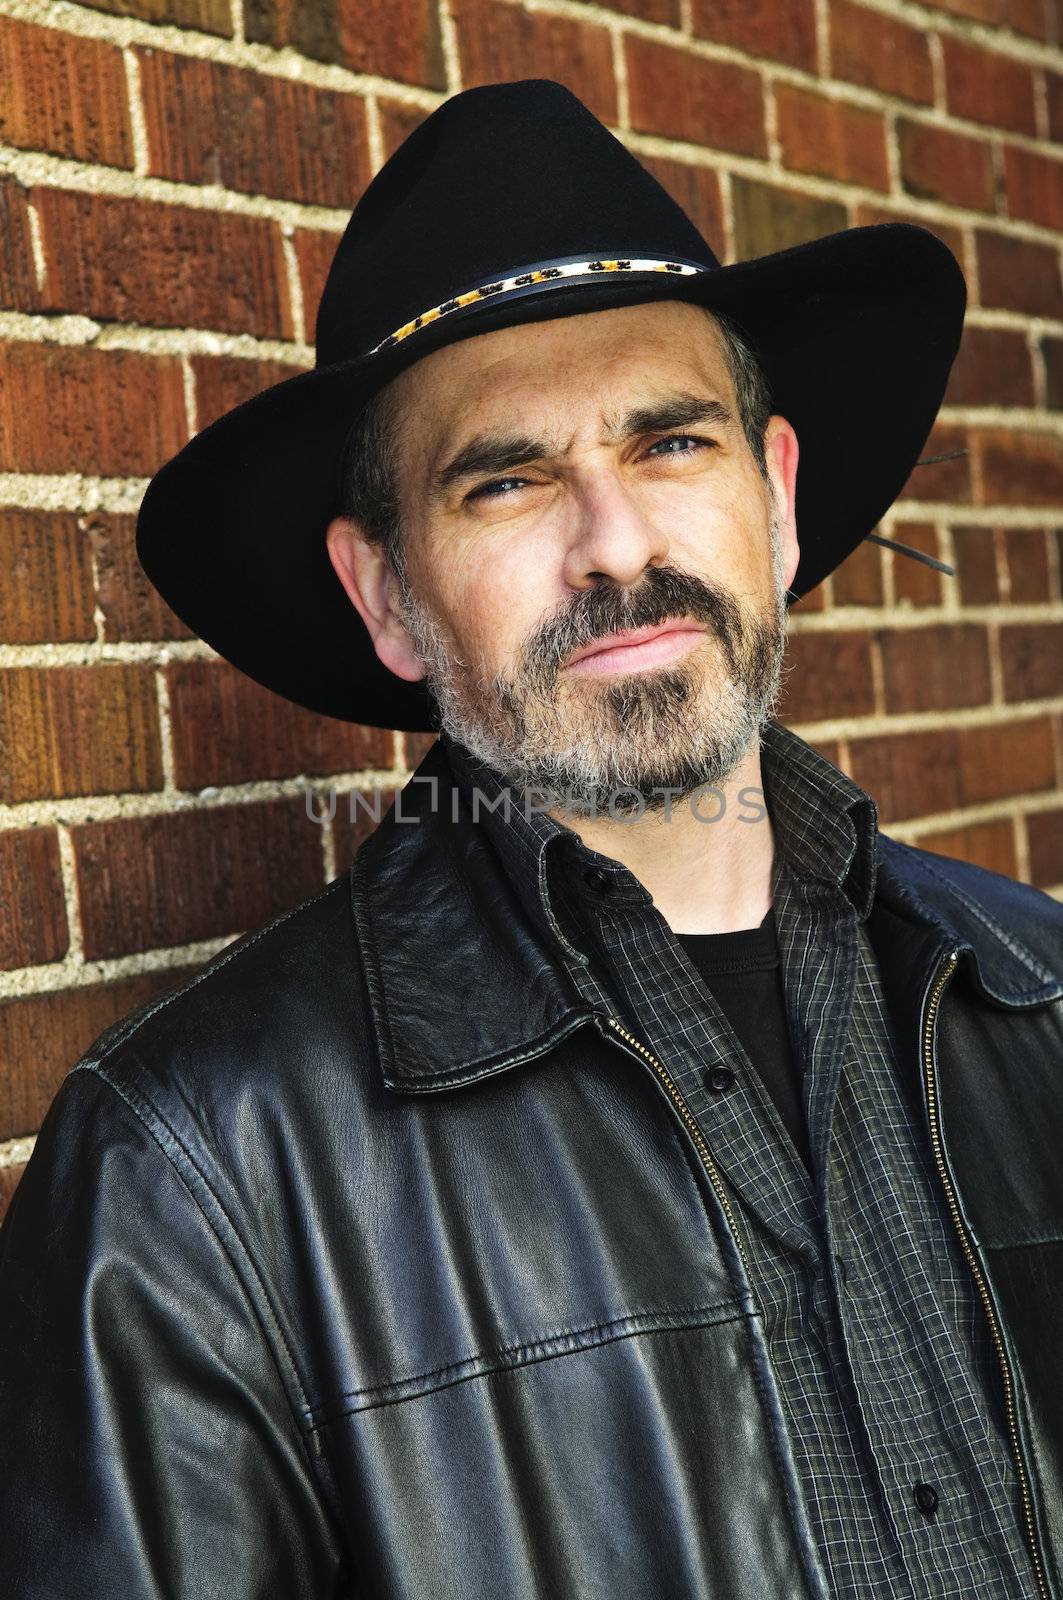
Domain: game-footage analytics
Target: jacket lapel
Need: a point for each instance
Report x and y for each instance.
(461, 984)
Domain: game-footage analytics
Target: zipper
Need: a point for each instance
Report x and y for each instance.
(972, 1262)
(688, 1118)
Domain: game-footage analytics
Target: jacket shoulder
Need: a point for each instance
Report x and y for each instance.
(977, 904)
(256, 1020)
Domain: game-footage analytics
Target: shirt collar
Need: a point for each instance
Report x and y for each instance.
(825, 826)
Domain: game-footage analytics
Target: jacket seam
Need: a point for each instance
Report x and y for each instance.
(501, 1368)
(146, 1114)
(521, 1348)
(1019, 1244)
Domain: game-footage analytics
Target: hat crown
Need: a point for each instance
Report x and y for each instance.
(496, 180)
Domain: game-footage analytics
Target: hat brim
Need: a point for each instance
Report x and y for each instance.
(857, 333)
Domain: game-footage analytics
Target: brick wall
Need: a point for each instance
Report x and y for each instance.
(152, 800)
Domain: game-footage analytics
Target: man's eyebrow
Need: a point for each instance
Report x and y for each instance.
(491, 453)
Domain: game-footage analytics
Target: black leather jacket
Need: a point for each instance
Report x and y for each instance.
(371, 1262)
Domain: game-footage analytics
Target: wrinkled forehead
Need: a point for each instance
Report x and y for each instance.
(549, 376)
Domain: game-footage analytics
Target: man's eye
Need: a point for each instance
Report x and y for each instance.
(496, 488)
(676, 445)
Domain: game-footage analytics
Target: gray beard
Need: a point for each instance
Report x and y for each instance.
(627, 744)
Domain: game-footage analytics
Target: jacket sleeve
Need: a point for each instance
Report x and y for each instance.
(147, 1446)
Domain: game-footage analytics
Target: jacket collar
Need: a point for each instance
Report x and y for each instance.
(466, 975)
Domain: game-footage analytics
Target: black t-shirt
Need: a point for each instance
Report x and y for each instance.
(743, 971)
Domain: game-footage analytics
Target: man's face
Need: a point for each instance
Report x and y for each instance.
(565, 480)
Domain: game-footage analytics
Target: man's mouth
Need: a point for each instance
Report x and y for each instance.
(635, 649)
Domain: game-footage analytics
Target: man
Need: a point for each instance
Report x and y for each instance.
(639, 1176)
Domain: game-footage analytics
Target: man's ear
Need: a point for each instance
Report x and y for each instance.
(781, 451)
(362, 568)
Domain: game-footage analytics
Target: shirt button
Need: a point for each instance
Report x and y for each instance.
(720, 1078)
(596, 878)
(926, 1498)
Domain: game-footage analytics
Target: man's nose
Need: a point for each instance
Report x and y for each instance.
(612, 531)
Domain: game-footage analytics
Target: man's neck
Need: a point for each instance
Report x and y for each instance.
(708, 866)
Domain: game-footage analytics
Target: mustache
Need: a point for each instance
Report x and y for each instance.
(665, 594)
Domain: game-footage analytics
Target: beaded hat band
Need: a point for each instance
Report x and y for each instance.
(534, 280)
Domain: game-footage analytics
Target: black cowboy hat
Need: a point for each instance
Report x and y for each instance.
(511, 204)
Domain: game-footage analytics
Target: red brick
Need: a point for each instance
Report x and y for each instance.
(78, 730)
(229, 729)
(939, 165)
(212, 123)
(941, 480)
(946, 768)
(914, 583)
(768, 219)
(1054, 86)
(1052, 354)
(984, 844)
(206, 16)
(831, 138)
(113, 412)
(46, 595)
(43, 1035)
(417, 746)
(976, 565)
(762, 27)
(1029, 574)
(1019, 275)
(150, 882)
(1035, 186)
(18, 271)
(352, 825)
(397, 122)
(984, 86)
(992, 368)
(868, 215)
(132, 607)
(1044, 830)
(935, 668)
(393, 38)
(9, 1182)
(871, 48)
(1020, 468)
(858, 580)
(666, 12)
(63, 94)
(713, 103)
(1006, 759)
(829, 675)
(1031, 656)
(168, 266)
(497, 42)
(33, 926)
(1021, 16)
(314, 253)
(224, 382)
(697, 190)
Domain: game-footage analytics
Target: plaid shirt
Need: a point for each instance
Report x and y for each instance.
(881, 1349)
